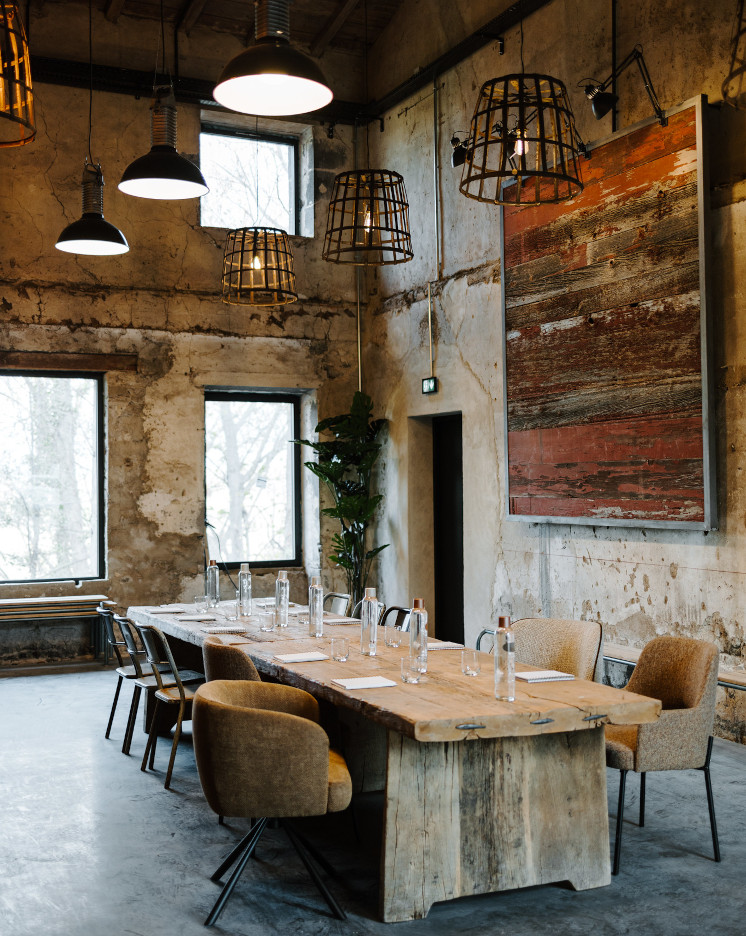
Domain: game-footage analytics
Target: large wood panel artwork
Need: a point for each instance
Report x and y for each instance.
(606, 377)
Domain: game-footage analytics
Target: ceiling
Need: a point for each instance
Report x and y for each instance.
(314, 24)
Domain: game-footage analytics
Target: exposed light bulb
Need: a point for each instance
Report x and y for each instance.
(521, 144)
(256, 263)
(367, 221)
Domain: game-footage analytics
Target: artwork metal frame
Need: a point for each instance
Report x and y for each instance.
(588, 439)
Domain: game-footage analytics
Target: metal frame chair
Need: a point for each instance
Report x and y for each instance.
(402, 617)
(170, 690)
(331, 597)
(359, 605)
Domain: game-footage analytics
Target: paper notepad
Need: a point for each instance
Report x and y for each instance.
(165, 609)
(364, 682)
(445, 645)
(197, 617)
(312, 657)
(545, 675)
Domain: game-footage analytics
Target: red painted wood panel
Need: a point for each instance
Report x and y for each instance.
(603, 345)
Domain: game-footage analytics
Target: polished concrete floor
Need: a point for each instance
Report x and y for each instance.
(90, 846)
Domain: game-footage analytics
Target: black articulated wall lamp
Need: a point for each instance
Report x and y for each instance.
(602, 100)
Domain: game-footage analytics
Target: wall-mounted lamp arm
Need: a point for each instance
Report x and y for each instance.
(603, 100)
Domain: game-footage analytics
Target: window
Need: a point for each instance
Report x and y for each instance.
(51, 477)
(252, 179)
(252, 469)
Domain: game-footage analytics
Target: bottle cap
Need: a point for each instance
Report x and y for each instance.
(503, 620)
(315, 580)
(213, 562)
(418, 604)
(370, 593)
(282, 575)
(244, 567)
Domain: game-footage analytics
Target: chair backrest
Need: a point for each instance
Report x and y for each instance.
(337, 602)
(107, 616)
(158, 654)
(680, 671)
(381, 610)
(559, 644)
(401, 618)
(135, 653)
(260, 750)
(225, 662)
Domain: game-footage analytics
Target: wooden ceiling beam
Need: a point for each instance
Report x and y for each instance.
(332, 26)
(114, 9)
(190, 14)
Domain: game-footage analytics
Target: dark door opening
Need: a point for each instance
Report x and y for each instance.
(448, 525)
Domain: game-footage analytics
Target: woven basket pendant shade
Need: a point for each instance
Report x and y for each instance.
(16, 94)
(368, 220)
(258, 267)
(522, 131)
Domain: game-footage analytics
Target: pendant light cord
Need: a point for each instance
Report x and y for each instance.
(523, 67)
(365, 79)
(90, 76)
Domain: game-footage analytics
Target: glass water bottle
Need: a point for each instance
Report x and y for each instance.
(282, 599)
(418, 635)
(315, 608)
(369, 623)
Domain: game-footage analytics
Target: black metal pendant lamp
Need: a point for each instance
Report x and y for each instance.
(271, 78)
(92, 234)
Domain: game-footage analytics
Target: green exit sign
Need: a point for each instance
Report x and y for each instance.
(429, 384)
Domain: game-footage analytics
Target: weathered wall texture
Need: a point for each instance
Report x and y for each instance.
(160, 301)
(638, 582)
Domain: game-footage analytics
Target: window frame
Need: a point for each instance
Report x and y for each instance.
(217, 129)
(101, 453)
(251, 395)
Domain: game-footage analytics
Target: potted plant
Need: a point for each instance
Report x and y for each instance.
(345, 465)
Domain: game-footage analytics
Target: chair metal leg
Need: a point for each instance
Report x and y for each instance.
(152, 738)
(114, 705)
(220, 903)
(174, 746)
(711, 801)
(642, 800)
(315, 853)
(131, 720)
(337, 911)
(252, 835)
(619, 820)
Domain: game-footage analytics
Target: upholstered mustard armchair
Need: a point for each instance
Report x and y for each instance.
(683, 674)
(261, 752)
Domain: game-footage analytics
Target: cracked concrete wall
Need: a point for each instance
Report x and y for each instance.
(161, 301)
(639, 583)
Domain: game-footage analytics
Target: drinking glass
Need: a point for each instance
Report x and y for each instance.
(266, 620)
(409, 670)
(470, 665)
(393, 636)
(340, 649)
(201, 602)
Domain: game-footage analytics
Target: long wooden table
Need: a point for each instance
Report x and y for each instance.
(480, 795)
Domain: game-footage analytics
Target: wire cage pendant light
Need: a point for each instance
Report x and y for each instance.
(16, 92)
(368, 220)
(258, 267)
(522, 132)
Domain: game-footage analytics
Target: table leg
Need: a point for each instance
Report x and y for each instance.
(472, 817)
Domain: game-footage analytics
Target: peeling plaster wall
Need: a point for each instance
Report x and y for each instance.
(639, 583)
(161, 301)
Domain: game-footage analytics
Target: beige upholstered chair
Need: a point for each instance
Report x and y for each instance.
(261, 752)
(683, 674)
(558, 644)
(225, 662)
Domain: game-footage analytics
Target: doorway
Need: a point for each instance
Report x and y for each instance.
(448, 527)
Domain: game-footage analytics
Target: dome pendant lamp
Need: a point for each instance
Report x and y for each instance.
(92, 234)
(163, 172)
(271, 78)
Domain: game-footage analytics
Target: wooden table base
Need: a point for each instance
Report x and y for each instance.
(491, 815)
